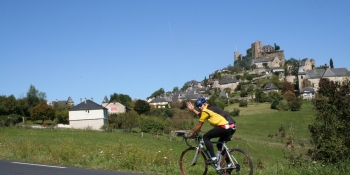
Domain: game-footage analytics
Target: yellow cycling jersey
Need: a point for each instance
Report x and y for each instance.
(213, 118)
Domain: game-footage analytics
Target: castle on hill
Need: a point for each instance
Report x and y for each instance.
(264, 54)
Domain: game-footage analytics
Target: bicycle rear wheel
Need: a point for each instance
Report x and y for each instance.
(191, 165)
(243, 163)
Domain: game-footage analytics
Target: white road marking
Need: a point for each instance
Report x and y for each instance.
(38, 165)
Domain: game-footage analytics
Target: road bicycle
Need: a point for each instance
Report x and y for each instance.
(230, 161)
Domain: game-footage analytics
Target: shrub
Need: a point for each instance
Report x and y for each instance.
(220, 104)
(10, 120)
(289, 95)
(283, 105)
(274, 104)
(243, 103)
(295, 104)
(149, 124)
(244, 93)
(232, 101)
(235, 112)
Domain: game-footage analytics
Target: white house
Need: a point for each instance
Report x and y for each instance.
(159, 102)
(88, 115)
(308, 93)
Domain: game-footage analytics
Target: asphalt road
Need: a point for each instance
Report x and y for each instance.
(22, 168)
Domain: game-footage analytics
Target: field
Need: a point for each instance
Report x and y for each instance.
(257, 133)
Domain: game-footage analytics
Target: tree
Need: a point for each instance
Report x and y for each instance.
(244, 93)
(185, 86)
(129, 120)
(125, 100)
(205, 81)
(22, 107)
(265, 65)
(114, 97)
(331, 126)
(305, 83)
(150, 124)
(238, 77)
(62, 113)
(295, 66)
(62, 116)
(276, 81)
(288, 96)
(249, 77)
(287, 86)
(247, 67)
(42, 111)
(10, 105)
(295, 103)
(249, 52)
(121, 98)
(277, 47)
(157, 93)
(274, 96)
(142, 107)
(286, 71)
(260, 96)
(175, 89)
(32, 96)
(331, 63)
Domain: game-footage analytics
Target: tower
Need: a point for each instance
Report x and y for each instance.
(256, 49)
(236, 56)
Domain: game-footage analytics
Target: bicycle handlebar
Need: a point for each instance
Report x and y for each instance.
(196, 136)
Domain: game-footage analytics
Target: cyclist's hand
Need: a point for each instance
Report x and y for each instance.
(187, 136)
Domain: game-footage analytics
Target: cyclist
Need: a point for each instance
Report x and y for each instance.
(224, 125)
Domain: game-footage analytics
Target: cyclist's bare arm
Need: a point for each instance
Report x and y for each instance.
(196, 129)
(190, 106)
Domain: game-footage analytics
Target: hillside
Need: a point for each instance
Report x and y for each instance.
(131, 151)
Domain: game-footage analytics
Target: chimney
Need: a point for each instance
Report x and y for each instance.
(92, 99)
(85, 100)
(81, 100)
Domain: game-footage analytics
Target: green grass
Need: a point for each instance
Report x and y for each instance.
(152, 154)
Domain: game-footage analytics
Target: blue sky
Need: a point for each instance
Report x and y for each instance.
(94, 48)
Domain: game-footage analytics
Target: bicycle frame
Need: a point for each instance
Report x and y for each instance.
(200, 147)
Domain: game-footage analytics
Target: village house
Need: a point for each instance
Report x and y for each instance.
(308, 93)
(88, 115)
(313, 76)
(269, 87)
(113, 107)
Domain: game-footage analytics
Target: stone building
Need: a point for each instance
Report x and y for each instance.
(259, 52)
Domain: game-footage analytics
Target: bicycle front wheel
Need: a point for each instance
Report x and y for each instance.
(243, 164)
(192, 162)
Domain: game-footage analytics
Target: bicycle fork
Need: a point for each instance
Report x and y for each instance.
(195, 158)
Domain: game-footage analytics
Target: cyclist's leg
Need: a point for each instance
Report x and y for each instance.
(213, 133)
(227, 137)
